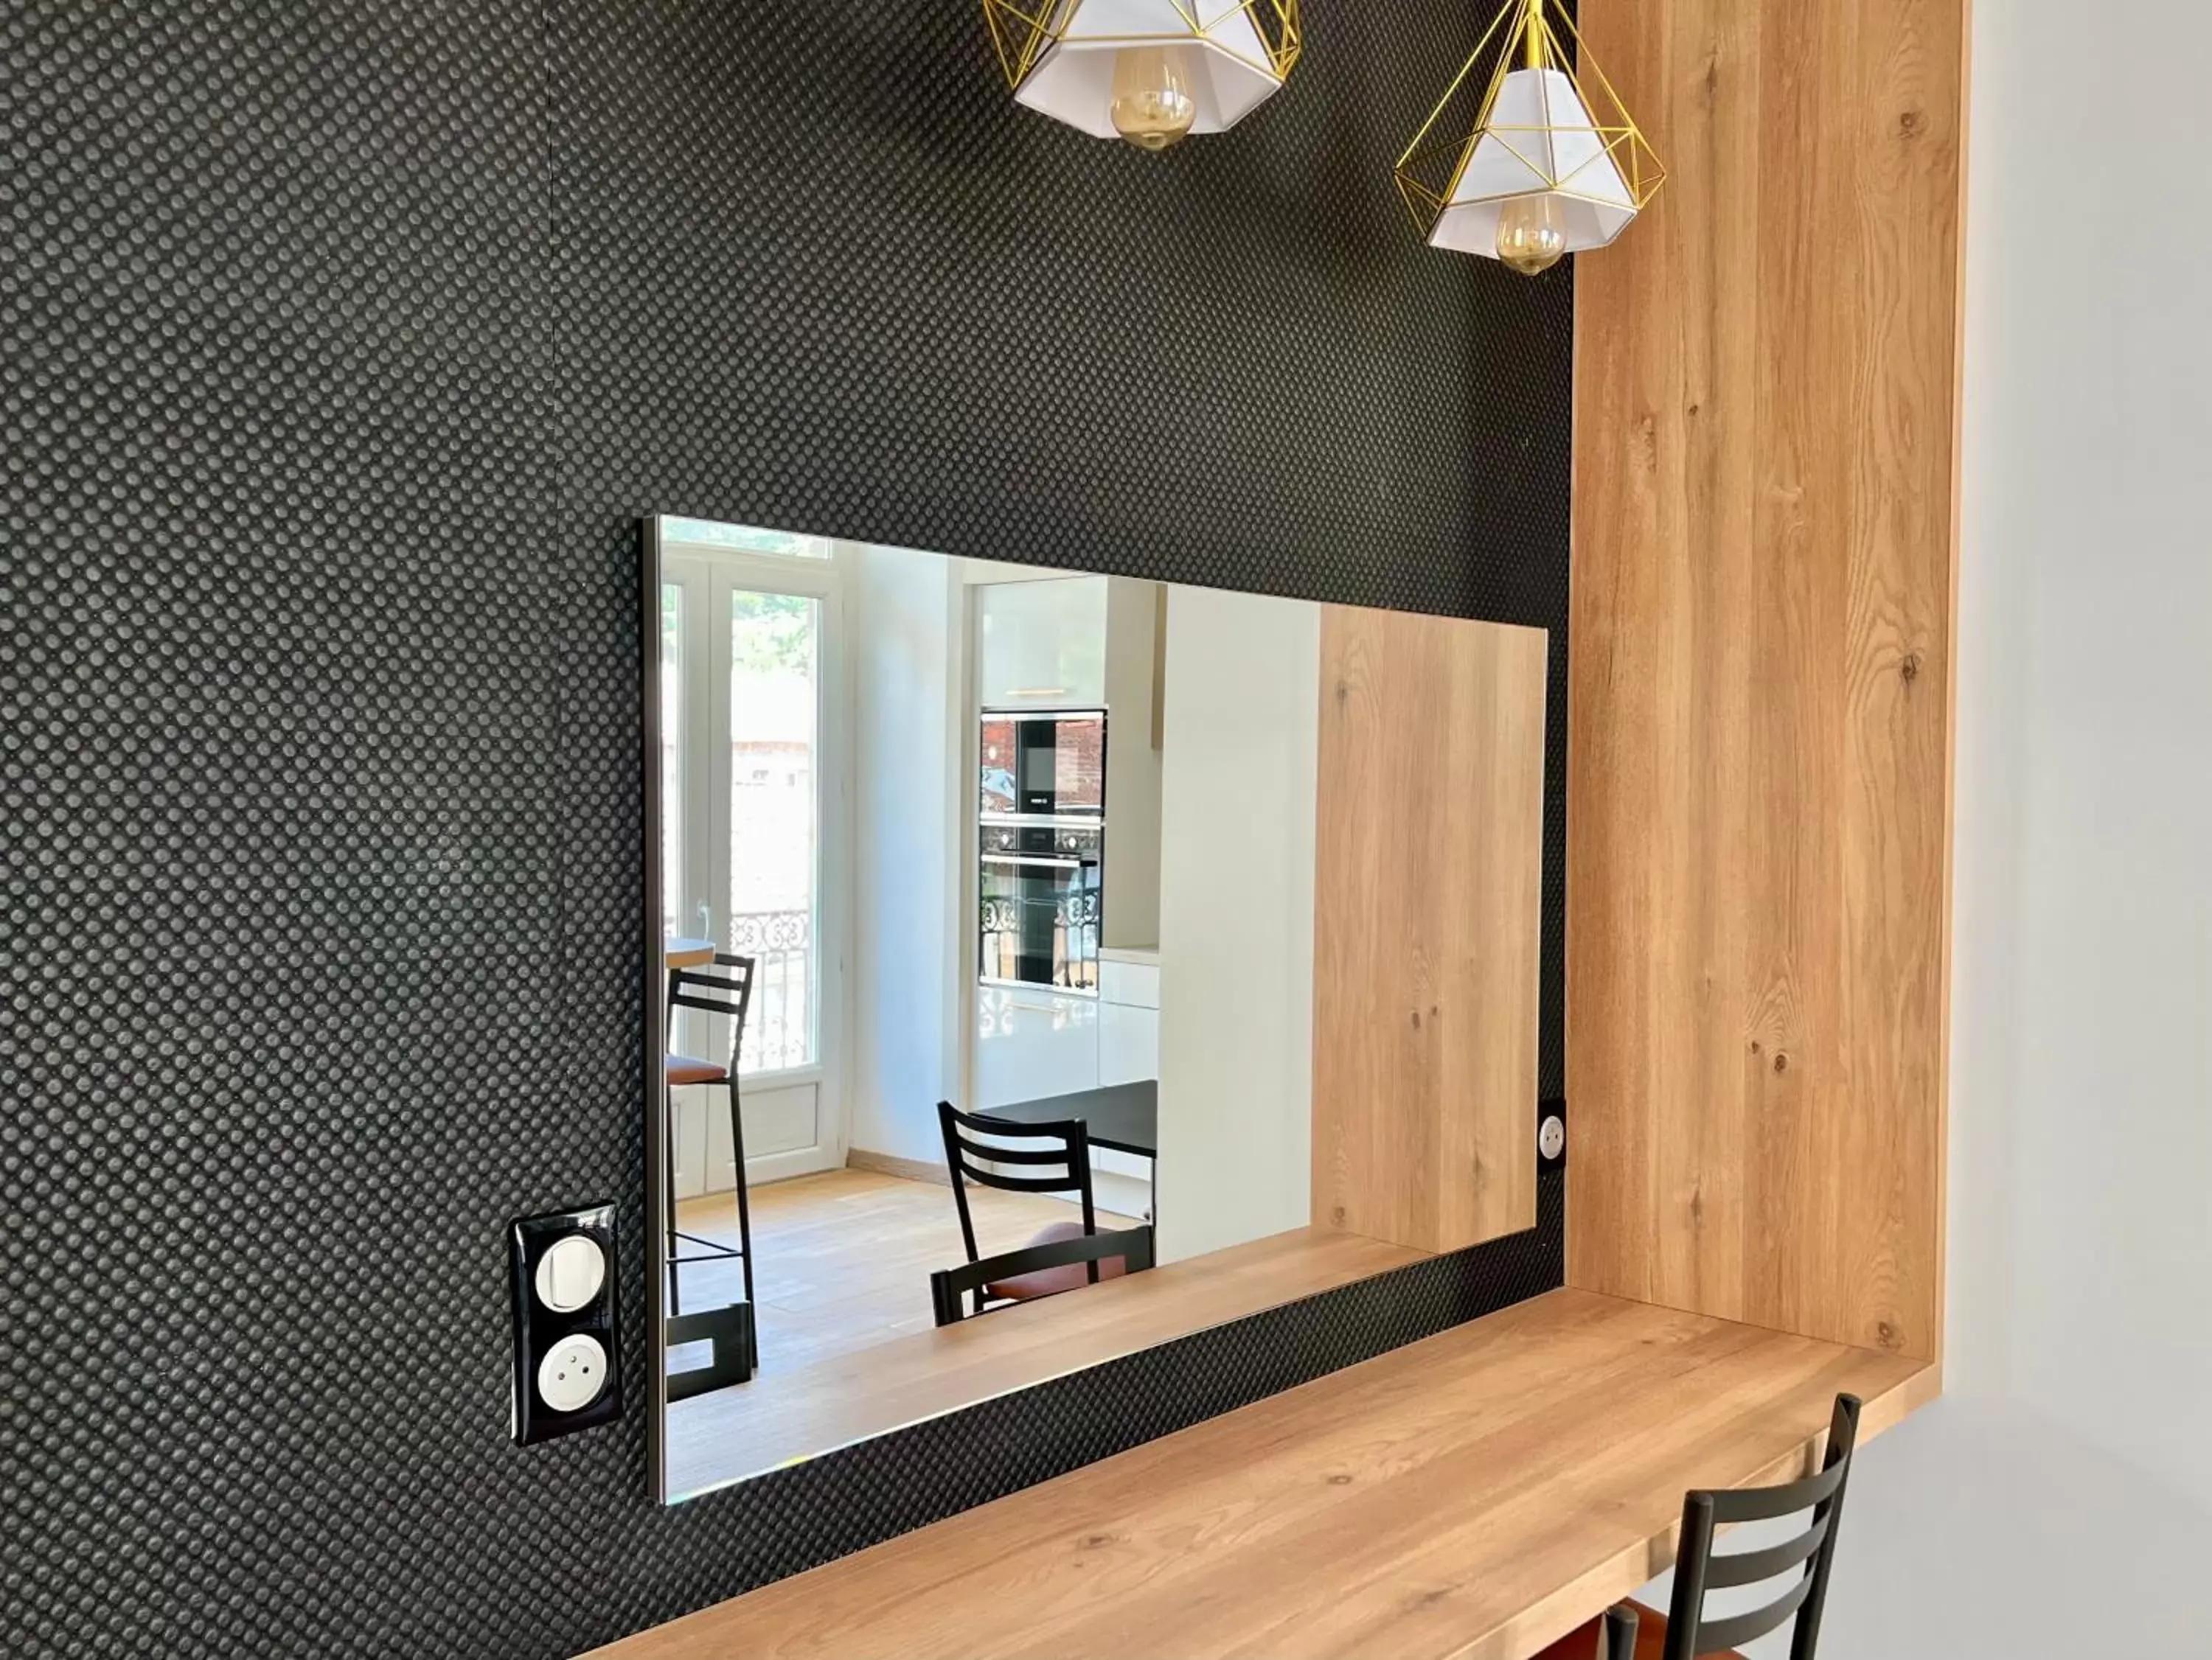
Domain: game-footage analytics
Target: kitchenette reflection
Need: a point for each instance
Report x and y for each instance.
(986, 930)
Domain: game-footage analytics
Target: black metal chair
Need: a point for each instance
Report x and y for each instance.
(1130, 1246)
(724, 987)
(1688, 1631)
(1044, 1158)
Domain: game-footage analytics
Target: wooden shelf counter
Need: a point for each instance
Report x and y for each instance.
(1471, 1497)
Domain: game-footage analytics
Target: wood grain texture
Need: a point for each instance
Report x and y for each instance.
(1427, 918)
(1759, 712)
(853, 1393)
(1471, 1496)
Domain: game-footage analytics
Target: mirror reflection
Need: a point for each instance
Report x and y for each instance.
(986, 920)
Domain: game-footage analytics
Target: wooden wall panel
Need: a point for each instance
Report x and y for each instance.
(1427, 903)
(1761, 670)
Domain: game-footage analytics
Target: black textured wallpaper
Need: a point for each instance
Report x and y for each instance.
(346, 344)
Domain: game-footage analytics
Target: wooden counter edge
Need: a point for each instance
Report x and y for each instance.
(1546, 1620)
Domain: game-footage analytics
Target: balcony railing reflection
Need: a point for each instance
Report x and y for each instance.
(779, 1030)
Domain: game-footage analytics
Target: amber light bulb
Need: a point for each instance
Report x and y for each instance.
(1153, 104)
(1531, 236)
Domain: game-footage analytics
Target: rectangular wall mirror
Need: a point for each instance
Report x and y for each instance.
(1050, 965)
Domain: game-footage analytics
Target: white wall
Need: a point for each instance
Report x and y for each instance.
(2059, 1501)
(1237, 902)
(2080, 1042)
(907, 837)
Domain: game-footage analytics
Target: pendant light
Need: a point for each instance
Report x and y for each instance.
(1535, 161)
(1149, 71)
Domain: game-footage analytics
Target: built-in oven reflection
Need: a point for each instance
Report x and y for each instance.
(1042, 894)
(1041, 841)
(1043, 762)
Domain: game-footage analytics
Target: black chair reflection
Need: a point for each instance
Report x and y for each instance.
(724, 987)
(1129, 1249)
(1045, 1158)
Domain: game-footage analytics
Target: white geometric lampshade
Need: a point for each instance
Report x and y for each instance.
(1059, 55)
(1539, 139)
(1540, 130)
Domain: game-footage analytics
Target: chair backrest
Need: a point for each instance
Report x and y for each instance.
(1133, 1246)
(1036, 1158)
(724, 987)
(1690, 1631)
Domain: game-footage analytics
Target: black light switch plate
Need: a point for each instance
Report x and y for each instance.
(567, 1363)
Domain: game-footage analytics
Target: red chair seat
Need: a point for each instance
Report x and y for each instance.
(1049, 1281)
(682, 1069)
(1581, 1644)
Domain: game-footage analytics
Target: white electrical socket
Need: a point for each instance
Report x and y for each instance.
(570, 1273)
(572, 1374)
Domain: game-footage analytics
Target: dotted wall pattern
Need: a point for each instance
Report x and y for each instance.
(348, 343)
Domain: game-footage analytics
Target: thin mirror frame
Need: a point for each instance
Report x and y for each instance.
(658, 531)
(653, 1062)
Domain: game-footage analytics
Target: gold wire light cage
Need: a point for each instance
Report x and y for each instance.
(1530, 154)
(1060, 55)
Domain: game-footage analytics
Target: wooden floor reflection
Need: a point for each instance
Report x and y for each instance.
(844, 1257)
